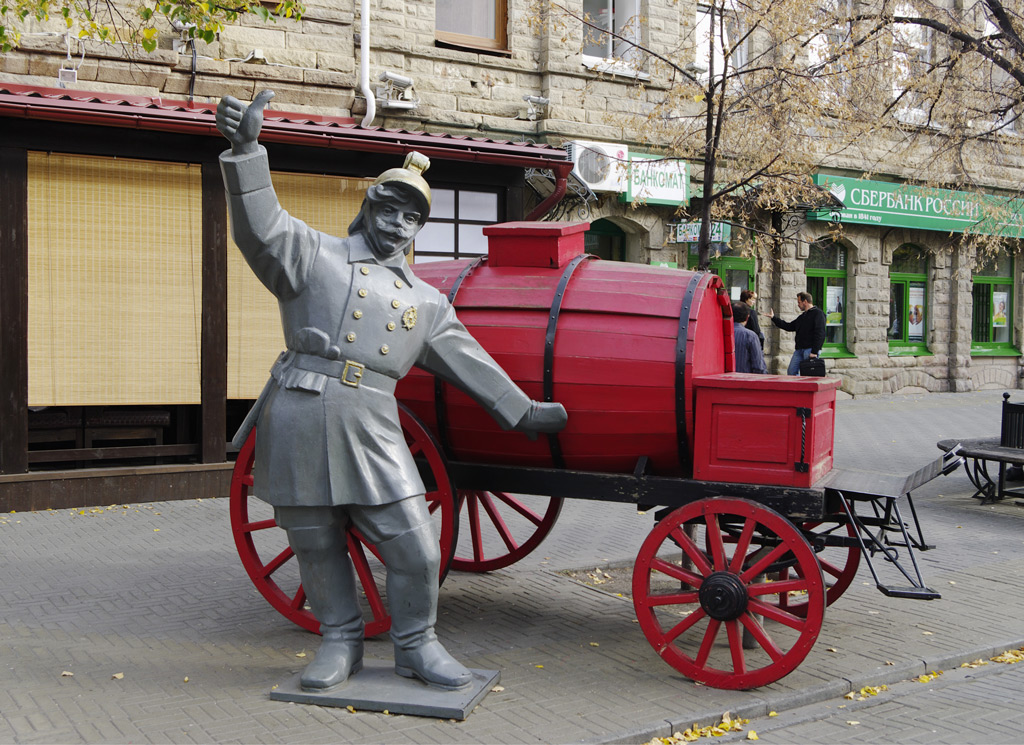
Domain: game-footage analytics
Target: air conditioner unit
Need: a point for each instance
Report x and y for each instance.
(602, 166)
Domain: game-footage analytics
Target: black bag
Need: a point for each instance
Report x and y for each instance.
(813, 368)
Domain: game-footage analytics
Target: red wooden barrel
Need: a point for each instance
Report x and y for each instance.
(617, 344)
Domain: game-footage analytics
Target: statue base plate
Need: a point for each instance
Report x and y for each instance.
(377, 688)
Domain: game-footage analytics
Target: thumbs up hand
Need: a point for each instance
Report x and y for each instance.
(241, 124)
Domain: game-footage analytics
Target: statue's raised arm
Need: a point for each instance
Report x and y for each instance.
(241, 124)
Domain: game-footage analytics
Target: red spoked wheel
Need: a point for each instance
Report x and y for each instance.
(268, 559)
(683, 600)
(499, 529)
(838, 563)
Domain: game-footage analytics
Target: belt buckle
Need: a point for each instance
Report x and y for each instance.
(352, 373)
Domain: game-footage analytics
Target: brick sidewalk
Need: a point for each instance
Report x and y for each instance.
(157, 593)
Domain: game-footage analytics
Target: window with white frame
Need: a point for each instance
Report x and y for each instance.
(615, 51)
(824, 49)
(912, 58)
(720, 39)
(1004, 115)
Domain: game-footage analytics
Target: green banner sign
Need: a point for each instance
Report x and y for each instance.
(907, 206)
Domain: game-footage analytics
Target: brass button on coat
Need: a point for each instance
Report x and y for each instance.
(384, 349)
(357, 314)
(396, 304)
(350, 337)
(362, 293)
(398, 284)
(391, 326)
(365, 270)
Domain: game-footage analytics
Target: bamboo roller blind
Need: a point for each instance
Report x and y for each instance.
(327, 203)
(114, 283)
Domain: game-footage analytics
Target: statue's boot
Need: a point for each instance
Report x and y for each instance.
(330, 584)
(413, 560)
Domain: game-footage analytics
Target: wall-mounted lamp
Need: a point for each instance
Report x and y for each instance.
(395, 92)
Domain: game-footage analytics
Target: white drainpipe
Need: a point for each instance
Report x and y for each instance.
(364, 63)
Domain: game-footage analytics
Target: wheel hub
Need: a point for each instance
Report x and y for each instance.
(723, 596)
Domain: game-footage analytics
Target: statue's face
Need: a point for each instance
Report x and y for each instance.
(394, 223)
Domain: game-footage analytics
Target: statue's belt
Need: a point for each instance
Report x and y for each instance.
(350, 373)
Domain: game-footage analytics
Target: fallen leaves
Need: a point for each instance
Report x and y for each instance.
(498, 689)
(117, 676)
(1010, 656)
(975, 663)
(927, 677)
(351, 709)
(300, 654)
(696, 732)
(67, 674)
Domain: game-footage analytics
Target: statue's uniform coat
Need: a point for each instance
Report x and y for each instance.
(319, 441)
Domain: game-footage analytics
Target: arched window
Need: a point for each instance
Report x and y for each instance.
(908, 301)
(826, 281)
(992, 317)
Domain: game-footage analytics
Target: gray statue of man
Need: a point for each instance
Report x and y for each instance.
(329, 448)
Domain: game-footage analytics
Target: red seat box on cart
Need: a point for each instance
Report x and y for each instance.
(764, 429)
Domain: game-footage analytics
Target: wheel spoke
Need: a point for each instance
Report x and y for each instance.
(499, 524)
(415, 447)
(777, 614)
(277, 562)
(709, 640)
(675, 598)
(690, 549)
(780, 588)
(830, 568)
(258, 525)
(715, 542)
(763, 563)
(362, 566)
(687, 623)
(675, 572)
(433, 501)
(757, 631)
(474, 527)
(521, 508)
(742, 545)
(299, 599)
(732, 630)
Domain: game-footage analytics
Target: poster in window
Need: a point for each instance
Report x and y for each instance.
(833, 306)
(915, 314)
(1000, 302)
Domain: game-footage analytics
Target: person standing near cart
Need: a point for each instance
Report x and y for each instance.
(749, 358)
(330, 451)
(749, 298)
(810, 331)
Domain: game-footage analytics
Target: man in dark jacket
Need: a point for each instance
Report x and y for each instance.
(749, 358)
(749, 298)
(810, 331)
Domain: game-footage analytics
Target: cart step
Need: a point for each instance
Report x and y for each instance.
(914, 593)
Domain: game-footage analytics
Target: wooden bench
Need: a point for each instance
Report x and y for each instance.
(1006, 450)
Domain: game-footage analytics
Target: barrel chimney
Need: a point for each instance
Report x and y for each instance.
(540, 244)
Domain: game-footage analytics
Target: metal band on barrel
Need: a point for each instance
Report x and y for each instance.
(549, 352)
(440, 403)
(684, 322)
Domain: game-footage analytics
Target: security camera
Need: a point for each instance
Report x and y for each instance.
(398, 81)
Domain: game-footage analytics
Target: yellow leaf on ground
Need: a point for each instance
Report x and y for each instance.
(498, 689)
(186, 679)
(773, 713)
(752, 735)
(301, 654)
(852, 723)
(849, 695)
(117, 676)
(539, 666)
(67, 674)
(594, 644)
(927, 633)
(351, 709)
(1010, 656)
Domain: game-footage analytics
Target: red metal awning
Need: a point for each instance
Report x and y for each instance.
(341, 133)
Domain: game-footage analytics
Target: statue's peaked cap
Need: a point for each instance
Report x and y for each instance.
(410, 174)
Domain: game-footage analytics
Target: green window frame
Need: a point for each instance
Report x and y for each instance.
(825, 269)
(737, 272)
(993, 312)
(908, 302)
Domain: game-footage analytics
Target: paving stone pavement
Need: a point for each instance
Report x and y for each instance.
(156, 593)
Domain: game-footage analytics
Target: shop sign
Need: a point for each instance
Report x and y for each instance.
(656, 180)
(908, 206)
(689, 232)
